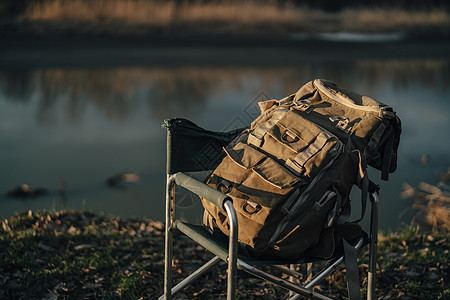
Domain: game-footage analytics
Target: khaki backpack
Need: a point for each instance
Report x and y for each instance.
(290, 174)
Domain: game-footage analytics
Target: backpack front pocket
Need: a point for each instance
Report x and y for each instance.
(257, 185)
(304, 147)
(256, 182)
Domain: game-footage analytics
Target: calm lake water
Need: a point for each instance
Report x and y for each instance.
(84, 125)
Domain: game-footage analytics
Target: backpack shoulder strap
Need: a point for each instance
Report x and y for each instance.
(362, 182)
(388, 149)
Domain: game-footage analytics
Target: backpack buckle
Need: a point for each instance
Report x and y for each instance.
(304, 105)
(342, 123)
(251, 207)
(387, 112)
(224, 186)
(289, 137)
(294, 167)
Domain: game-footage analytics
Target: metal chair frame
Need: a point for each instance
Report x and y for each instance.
(234, 263)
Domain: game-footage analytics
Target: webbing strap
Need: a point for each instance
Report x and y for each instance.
(299, 161)
(208, 220)
(345, 213)
(375, 139)
(388, 149)
(351, 264)
(362, 182)
(294, 167)
(255, 137)
(364, 193)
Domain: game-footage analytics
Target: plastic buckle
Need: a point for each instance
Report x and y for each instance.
(387, 112)
(255, 207)
(342, 123)
(289, 137)
(294, 167)
(226, 186)
(304, 105)
(254, 140)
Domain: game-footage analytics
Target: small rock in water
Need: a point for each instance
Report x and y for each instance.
(424, 159)
(62, 187)
(445, 177)
(123, 178)
(24, 190)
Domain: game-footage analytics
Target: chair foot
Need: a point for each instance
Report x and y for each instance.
(188, 280)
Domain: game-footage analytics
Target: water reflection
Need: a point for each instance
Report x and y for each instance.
(115, 92)
(93, 123)
(403, 74)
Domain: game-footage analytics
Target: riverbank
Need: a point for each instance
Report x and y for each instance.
(74, 34)
(73, 255)
(231, 17)
(53, 51)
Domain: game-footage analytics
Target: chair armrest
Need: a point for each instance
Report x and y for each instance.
(201, 189)
(225, 203)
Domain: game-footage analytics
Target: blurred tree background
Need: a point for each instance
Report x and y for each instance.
(17, 7)
(239, 17)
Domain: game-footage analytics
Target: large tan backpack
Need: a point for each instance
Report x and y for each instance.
(290, 174)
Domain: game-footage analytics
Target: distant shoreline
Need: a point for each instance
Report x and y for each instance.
(51, 50)
(127, 33)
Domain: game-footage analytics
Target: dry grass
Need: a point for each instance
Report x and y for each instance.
(431, 204)
(119, 10)
(232, 15)
(398, 20)
(162, 13)
(81, 255)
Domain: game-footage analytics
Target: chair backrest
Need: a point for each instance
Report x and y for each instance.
(191, 148)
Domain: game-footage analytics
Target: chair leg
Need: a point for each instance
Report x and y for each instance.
(309, 274)
(324, 273)
(293, 274)
(188, 280)
(371, 279)
(232, 251)
(168, 239)
(280, 282)
(293, 278)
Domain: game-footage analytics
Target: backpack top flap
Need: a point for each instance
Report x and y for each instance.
(382, 134)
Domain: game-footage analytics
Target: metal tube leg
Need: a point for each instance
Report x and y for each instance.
(188, 280)
(168, 240)
(324, 273)
(309, 274)
(232, 251)
(281, 282)
(373, 247)
(293, 278)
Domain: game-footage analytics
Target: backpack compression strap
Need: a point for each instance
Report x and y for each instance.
(208, 220)
(362, 181)
(388, 149)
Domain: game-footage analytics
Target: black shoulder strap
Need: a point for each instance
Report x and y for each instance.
(387, 155)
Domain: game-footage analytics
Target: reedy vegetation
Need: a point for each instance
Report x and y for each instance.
(235, 16)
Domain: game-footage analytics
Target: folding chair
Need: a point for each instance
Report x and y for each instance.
(191, 148)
